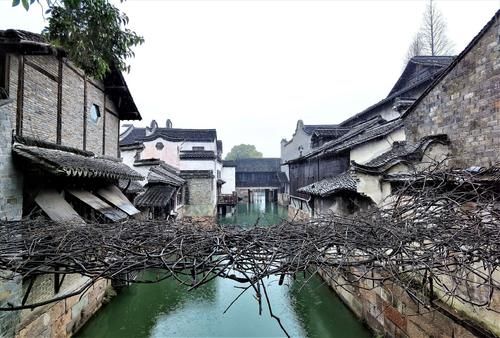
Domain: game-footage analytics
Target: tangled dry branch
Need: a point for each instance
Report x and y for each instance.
(437, 237)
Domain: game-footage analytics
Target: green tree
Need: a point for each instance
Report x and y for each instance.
(243, 151)
(93, 32)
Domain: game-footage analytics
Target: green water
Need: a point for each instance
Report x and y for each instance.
(169, 310)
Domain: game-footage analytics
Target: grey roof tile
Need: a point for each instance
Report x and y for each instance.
(329, 186)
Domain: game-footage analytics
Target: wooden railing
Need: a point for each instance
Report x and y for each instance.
(227, 199)
(301, 204)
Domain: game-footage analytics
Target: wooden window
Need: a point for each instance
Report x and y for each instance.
(4, 77)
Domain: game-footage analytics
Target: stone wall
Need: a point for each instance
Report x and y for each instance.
(64, 318)
(199, 198)
(390, 312)
(10, 292)
(465, 104)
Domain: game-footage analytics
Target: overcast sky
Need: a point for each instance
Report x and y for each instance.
(251, 69)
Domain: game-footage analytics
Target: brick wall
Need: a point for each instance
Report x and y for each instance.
(40, 100)
(72, 108)
(466, 105)
(95, 96)
(112, 129)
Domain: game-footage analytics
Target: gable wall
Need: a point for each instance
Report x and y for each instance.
(466, 106)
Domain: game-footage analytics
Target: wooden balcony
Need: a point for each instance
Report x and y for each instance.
(227, 199)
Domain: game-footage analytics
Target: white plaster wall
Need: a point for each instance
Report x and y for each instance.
(229, 175)
(169, 154)
(369, 150)
(373, 187)
(207, 145)
(290, 150)
(198, 165)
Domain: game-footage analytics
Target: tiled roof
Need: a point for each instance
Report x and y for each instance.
(155, 196)
(258, 165)
(59, 162)
(328, 186)
(226, 163)
(311, 128)
(130, 187)
(197, 155)
(359, 134)
(420, 68)
(187, 174)
(162, 175)
(172, 134)
(401, 151)
(333, 132)
(260, 179)
(398, 91)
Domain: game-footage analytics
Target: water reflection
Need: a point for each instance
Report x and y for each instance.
(167, 309)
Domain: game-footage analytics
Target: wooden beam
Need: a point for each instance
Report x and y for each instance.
(20, 95)
(41, 70)
(104, 126)
(59, 102)
(84, 113)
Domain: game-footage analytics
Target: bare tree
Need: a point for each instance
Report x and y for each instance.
(416, 47)
(431, 39)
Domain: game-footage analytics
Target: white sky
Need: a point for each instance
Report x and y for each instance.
(251, 69)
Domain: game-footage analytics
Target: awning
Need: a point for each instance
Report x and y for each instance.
(65, 163)
(56, 207)
(130, 187)
(98, 204)
(329, 186)
(155, 196)
(114, 196)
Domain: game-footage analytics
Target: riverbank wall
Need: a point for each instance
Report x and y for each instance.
(65, 317)
(389, 310)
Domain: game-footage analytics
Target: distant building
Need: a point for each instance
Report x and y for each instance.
(259, 174)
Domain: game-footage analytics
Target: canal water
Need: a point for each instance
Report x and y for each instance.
(168, 310)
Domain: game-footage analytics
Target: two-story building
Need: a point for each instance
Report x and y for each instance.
(194, 153)
(59, 160)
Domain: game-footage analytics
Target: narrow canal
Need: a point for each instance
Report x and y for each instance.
(169, 310)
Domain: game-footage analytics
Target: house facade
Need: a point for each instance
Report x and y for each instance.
(59, 160)
(193, 154)
(259, 175)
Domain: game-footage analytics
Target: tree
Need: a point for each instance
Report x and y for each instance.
(431, 39)
(243, 151)
(93, 33)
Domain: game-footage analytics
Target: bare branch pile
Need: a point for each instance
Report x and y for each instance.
(438, 237)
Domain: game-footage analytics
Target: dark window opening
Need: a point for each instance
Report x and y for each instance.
(159, 145)
(3, 77)
(95, 113)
